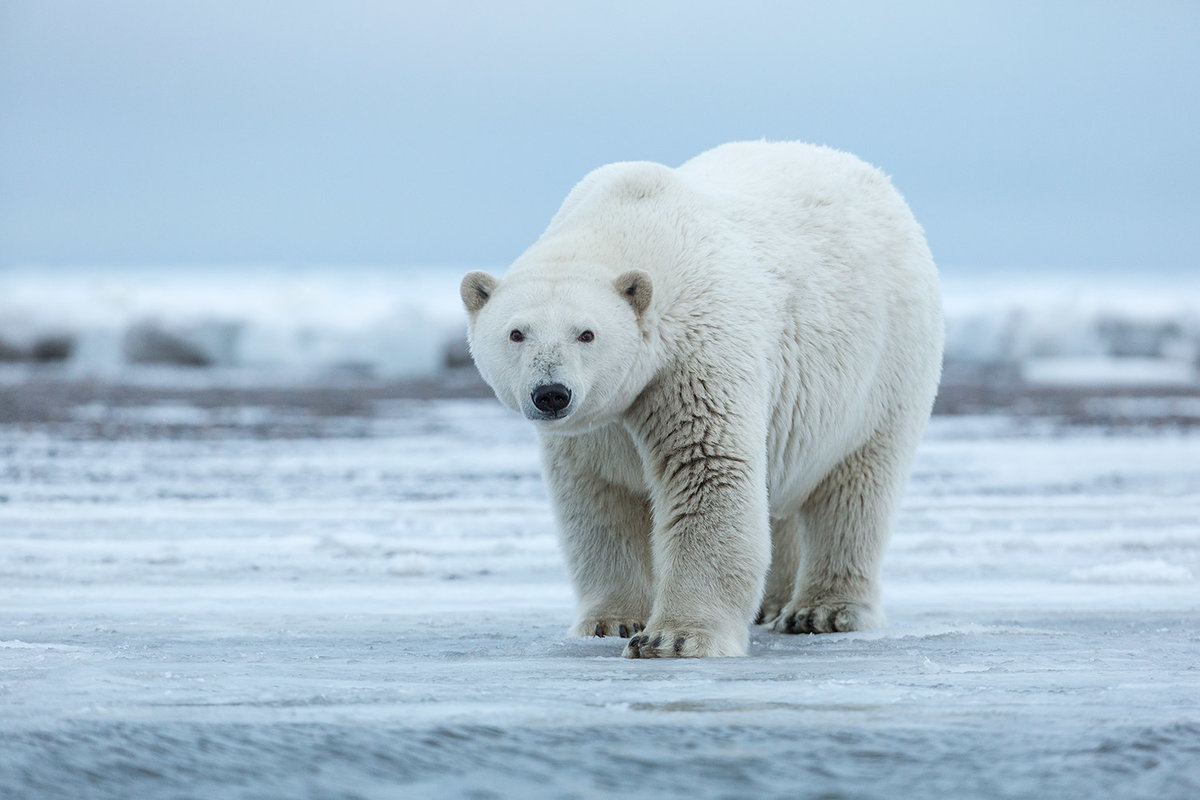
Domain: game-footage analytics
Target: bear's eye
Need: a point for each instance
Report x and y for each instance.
(516, 336)
(586, 336)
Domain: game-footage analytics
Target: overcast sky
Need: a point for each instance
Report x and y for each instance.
(1024, 134)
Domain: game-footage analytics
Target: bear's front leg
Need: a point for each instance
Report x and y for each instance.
(604, 528)
(704, 453)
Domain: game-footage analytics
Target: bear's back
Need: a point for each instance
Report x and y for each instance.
(807, 199)
(795, 173)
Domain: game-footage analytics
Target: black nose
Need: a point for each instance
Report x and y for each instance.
(551, 397)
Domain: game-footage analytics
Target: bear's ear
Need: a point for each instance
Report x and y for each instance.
(635, 287)
(476, 288)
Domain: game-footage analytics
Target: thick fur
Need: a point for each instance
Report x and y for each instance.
(766, 345)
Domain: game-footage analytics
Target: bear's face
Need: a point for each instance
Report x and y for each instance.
(561, 351)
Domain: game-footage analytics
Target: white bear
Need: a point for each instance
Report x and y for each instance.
(729, 365)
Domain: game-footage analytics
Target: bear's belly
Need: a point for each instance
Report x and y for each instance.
(796, 470)
(807, 439)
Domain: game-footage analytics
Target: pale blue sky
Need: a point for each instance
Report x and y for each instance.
(1024, 134)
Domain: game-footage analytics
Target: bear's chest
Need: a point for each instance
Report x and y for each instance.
(619, 460)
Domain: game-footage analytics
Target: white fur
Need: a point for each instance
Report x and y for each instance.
(767, 345)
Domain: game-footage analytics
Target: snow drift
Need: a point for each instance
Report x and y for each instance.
(276, 325)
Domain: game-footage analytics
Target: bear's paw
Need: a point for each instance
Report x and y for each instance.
(769, 611)
(826, 617)
(670, 642)
(623, 626)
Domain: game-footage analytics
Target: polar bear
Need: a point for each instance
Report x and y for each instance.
(729, 365)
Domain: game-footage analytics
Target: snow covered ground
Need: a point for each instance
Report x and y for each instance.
(200, 601)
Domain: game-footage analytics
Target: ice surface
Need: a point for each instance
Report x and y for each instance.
(378, 609)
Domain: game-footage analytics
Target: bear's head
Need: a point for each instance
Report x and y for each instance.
(561, 349)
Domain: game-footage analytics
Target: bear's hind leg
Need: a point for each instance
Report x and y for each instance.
(847, 522)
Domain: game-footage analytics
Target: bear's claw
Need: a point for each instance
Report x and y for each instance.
(653, 647)
(608, 626)
(769, 612)
(681, 643)
(826, 618)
